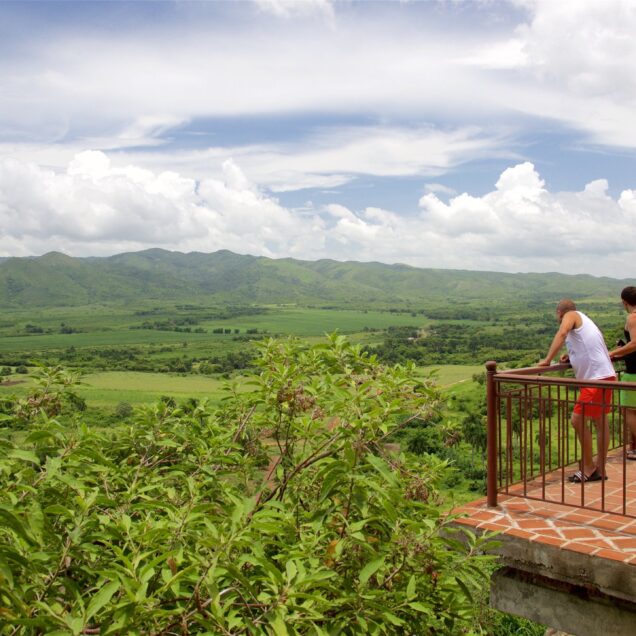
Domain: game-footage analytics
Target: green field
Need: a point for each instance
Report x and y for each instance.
(115, 327)
(451, 375)
(140, 352)
(107, 389)
(110, 388)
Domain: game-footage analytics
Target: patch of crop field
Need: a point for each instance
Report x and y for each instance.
(111, 387)
(316, 322)
(97, 339)
(15, 385)
(86, 318)
(118, 327)
(449, 375)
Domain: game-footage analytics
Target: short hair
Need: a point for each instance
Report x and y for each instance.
(566, 305)
(629, 295)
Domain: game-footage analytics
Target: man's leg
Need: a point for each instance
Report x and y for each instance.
(630, 418)
(585, 438)
(602, 436)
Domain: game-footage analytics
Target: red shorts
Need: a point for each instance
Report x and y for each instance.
(593, 402)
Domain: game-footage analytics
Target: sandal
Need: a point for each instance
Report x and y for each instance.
(579, 476)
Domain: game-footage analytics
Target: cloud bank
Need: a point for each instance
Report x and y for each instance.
(96, 208)
(362, 60)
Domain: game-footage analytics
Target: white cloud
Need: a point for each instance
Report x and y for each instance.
(90, 163)
(105, 84)
(439, 188)
(297, 8)
(326, 158)
(147, 130)
(131, 89)
(97, 208)
(575, 63)
(331, 157)
(518, 226)
(522, 225)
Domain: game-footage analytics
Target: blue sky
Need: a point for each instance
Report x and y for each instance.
(490, 135)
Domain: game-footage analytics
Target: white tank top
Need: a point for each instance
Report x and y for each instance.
(588, 353)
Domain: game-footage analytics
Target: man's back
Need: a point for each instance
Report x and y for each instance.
(587, 350)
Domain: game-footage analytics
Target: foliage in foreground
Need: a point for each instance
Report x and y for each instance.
(280, 513)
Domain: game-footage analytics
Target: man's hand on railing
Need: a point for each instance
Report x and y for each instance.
(546, 362)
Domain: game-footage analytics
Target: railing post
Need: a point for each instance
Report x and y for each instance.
(491, 403)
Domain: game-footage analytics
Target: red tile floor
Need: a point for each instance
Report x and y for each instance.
(601, 529)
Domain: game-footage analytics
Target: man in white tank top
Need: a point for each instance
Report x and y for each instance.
(588, 355)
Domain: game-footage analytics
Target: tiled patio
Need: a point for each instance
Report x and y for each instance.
(597, 532)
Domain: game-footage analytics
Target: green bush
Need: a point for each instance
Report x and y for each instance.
(54, 395)
(171, 524)
(123, 410)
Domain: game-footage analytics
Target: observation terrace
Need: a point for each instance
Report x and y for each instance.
(568, 549)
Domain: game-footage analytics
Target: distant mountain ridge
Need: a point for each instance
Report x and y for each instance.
(55, 279)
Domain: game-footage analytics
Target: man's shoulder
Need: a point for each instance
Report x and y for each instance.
(573, 319)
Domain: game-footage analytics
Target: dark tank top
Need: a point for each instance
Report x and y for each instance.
(630, 360)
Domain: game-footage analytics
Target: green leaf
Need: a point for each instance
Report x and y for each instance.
(6, 575)
(171, 582)
(25, 455)
(38, 436)
(52, 466)
(102, 598)
(333, 477)
(392, 618)
(278, 625)
(75, 624)
(9, 520)
(291, 570)
(410, 588)
(369, 570)
(464, 588)
(7, 553)
(57, 509)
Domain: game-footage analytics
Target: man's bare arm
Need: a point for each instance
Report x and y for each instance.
(567, 324)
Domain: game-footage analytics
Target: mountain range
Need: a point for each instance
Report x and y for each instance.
(55, 279)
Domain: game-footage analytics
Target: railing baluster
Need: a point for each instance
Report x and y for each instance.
(541, 441)
(491, 401)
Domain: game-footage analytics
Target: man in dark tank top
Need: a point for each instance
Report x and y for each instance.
(627, 352)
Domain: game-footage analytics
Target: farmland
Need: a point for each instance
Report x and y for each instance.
(167, 369)
(104, 344)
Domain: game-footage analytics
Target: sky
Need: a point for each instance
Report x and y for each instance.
(482, 135)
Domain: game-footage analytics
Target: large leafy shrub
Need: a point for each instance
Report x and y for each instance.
(281, 513)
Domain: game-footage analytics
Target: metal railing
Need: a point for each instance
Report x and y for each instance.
(533, 447)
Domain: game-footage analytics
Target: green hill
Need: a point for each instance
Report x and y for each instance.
(58, 280)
